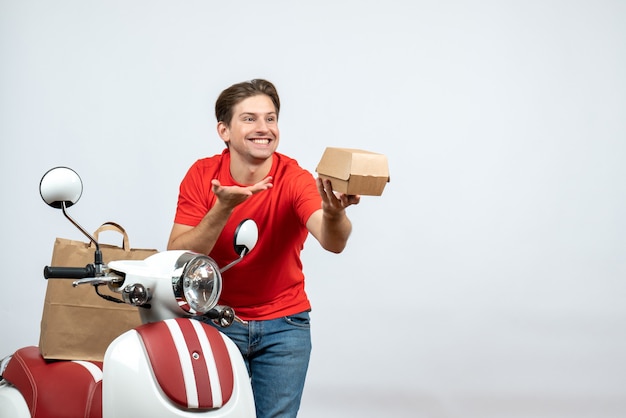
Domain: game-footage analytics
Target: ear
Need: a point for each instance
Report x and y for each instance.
(223, 131)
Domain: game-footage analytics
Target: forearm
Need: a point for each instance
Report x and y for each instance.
(336, 229)
(203, 236)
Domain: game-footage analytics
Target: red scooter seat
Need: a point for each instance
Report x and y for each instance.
(56, 389)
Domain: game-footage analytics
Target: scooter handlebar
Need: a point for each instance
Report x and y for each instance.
(69, 272)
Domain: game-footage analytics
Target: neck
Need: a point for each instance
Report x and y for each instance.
(246, 172)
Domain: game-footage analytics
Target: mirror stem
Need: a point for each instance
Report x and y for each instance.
(243, 253)
(98, 255)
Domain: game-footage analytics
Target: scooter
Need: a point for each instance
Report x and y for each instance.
(170, 366)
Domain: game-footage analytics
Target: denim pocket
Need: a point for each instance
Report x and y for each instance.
(301, 320)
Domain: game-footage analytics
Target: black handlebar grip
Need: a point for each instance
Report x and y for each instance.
(69, 272)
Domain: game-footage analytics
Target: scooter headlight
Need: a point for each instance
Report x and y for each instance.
(197, 283)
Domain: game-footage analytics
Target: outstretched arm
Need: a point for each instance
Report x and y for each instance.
(202, 237)
(330, 225)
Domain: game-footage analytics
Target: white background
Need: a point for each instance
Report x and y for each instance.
(487, 281)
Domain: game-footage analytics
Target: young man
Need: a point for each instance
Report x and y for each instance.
(249, 179)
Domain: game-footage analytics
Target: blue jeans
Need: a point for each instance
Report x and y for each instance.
(276, 353)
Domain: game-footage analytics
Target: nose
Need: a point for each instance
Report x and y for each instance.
(261, 125)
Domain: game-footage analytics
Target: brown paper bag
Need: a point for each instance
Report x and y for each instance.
(77, 324)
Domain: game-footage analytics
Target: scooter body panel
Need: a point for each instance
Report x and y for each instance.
(12, 403)
(130, 388)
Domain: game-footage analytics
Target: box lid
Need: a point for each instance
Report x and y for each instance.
(344, 162)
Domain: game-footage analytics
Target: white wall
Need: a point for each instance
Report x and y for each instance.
(487, 281)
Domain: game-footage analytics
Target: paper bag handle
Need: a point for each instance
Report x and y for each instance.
(112, 226)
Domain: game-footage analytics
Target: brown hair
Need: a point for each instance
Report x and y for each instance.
(230, 97)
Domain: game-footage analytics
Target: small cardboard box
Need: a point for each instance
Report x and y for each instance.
(354, 171)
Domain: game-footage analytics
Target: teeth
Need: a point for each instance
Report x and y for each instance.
(261, 141)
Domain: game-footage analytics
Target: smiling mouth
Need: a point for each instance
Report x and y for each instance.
(261, 141)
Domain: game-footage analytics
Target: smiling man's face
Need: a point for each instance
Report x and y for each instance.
(253, 132)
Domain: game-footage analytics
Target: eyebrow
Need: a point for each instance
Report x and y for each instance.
(255, 114)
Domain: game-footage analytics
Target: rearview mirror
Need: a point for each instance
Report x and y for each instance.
(246, 237)
(61, 185)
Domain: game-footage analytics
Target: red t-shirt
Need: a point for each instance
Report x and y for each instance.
(269, 282)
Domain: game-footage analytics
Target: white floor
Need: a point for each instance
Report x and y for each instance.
(321, 403)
